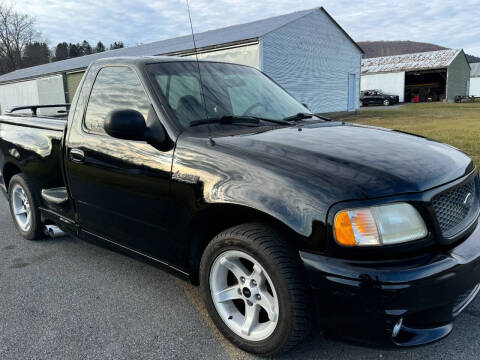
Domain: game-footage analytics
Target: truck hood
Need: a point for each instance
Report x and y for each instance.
(357, 159)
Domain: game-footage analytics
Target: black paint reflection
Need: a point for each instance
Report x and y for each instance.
(114, 88)
(296, 176)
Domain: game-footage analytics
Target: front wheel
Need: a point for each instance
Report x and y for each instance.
(386, 102)
(254, 289)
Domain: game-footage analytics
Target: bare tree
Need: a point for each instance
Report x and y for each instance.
(16, 31)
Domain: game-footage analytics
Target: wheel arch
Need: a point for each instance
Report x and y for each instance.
(218, 217)
(9, 170)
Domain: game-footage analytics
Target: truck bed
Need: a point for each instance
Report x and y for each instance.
(47, 123)
(31, 145)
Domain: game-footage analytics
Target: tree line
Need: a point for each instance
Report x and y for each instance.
(21, 47)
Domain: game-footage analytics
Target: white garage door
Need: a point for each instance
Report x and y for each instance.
(16, 94)
(474, 86)
(48, 90)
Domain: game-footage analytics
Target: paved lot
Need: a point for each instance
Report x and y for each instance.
(68, 299)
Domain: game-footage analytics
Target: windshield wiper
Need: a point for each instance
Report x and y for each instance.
(274, 121)
(237, 120)
(225, 120)
(299, 116)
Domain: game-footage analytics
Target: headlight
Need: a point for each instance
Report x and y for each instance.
(379, 225)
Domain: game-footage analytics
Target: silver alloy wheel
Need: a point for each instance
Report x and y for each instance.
(386, 102)
(245, 299)
(21, 208)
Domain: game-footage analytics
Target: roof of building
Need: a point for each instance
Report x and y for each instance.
(410, 62)
(475, 69)
(227, 35)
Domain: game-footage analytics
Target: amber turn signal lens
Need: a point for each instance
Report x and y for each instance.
(344, 229)
(379, 225)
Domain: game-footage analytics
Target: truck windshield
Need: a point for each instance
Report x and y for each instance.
(229, 91)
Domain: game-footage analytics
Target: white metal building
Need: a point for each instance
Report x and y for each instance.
(474, 82)
(432, 76)
(306, 52)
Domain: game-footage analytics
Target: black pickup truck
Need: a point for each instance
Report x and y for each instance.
(281, 217)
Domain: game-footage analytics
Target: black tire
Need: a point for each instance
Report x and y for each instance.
(386, 102)
(283, 265)
(32, 193)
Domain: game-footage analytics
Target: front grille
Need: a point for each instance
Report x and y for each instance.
(455, 208)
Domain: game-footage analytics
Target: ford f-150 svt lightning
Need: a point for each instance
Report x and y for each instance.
(215, 172)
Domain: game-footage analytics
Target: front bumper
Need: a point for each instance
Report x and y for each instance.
(402, 302)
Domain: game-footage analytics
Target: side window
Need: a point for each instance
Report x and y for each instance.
(114, 88)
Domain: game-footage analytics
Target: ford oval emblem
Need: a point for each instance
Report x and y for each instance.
(468, 200)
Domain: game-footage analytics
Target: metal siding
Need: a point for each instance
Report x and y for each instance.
(245, 55)
(389, 83)
(21, 93)
(50, 90)
(457, 75)
(475, 86)
(311, 58)
(475, 69)
(251, 30)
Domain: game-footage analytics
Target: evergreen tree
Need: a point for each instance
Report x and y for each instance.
(116, 45)
(100, 47)
(61, 51)
(74, 50)
(35, 53)
(86, 48)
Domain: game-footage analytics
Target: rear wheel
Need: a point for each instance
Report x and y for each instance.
(386, 102)
(23, 199)
(254, 289)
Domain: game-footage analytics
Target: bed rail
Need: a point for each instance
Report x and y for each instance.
(34, 108)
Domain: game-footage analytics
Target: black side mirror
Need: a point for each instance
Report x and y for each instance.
(126, 124)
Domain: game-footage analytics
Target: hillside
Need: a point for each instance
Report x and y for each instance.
(388, 48)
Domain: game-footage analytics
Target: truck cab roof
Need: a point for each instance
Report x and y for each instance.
(144, 60)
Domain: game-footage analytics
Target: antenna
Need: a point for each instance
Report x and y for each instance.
(199, 75)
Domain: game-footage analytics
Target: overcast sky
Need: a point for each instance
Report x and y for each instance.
(446, 23)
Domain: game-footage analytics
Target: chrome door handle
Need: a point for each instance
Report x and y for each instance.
(77, 155)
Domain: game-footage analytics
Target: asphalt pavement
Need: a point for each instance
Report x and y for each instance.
(68, 299)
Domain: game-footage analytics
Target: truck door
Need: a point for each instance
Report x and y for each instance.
(121, 188)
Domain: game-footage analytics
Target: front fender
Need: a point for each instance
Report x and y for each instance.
(204, 173)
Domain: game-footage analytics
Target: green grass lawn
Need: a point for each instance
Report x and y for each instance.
(454, 124)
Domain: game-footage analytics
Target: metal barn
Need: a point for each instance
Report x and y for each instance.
(474, 81)
(428, 76)
(306, 52)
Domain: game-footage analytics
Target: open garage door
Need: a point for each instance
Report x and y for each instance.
(425, 86)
